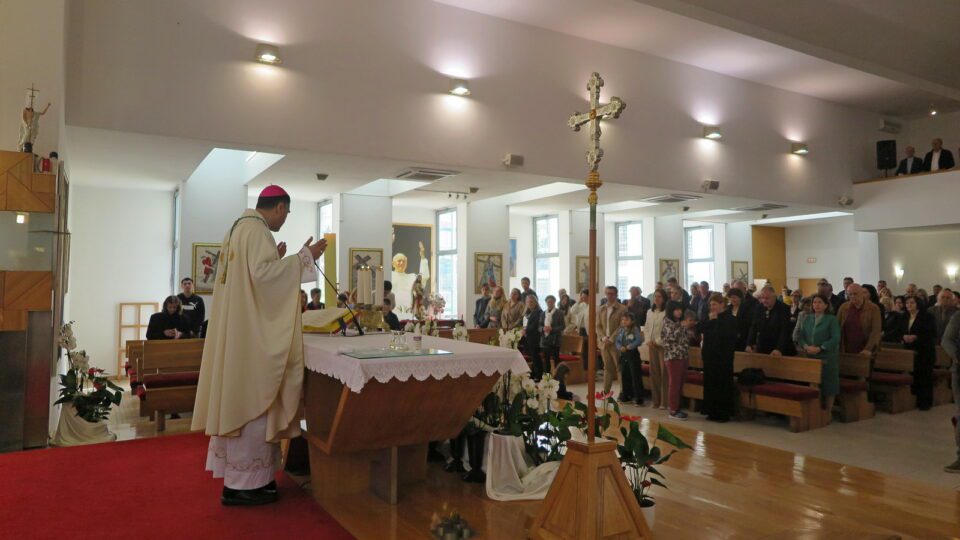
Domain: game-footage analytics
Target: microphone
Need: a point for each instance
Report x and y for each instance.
(343, 327)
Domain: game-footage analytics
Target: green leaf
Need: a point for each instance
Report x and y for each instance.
(666, 436)
(656, 482)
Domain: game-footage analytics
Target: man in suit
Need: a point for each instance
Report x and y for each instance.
(703, 309)
(943, 311)
(608, 321)
(638, 305)
(532, 332)
(480, 310)
(939, 158)
(770, 331)
(847, 281)
(910, 164)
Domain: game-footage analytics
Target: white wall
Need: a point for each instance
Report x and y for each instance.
(417, 216)
(668, 244)
(487, 230)
(31, 53)
(923, 255)
(916, 201)
(739, 248)
(524, 81)
(363, 222)
(835, 246)
(121, 251)
(920, 132)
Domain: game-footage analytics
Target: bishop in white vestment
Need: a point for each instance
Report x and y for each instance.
(251, 376)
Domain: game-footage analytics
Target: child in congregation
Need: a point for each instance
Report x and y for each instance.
(628, 340)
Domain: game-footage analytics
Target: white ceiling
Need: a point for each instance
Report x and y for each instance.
(748, 39)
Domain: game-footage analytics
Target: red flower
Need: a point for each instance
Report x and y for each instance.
(629, 418)
(98, 386)
(646, 483)
(91, 372)
(649, 462)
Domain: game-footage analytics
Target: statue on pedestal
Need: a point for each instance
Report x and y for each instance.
(30, 122)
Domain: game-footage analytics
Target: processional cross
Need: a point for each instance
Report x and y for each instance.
(594, 155)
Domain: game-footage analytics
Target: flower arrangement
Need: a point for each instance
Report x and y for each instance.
(460, 333)
(638, 457)
(510, 339)
(85, 387)
(448, 524)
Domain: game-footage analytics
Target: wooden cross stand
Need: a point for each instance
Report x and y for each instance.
(590, 498)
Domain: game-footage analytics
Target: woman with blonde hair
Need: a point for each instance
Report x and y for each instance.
(495, 308)
(513, 312)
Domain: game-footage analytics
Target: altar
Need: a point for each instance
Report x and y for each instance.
(369, 419)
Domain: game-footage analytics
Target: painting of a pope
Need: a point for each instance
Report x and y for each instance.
(403, 282)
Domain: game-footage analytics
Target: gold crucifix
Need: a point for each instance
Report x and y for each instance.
(597, 113)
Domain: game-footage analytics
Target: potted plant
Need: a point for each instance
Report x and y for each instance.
(639, 459)
(87, 396)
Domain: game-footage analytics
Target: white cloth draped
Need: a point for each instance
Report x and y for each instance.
(322, 354)
(73, 430)
(510, 474)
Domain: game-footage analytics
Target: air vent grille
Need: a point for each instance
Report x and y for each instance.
(671, 198)
(760, 208)
(424, 175)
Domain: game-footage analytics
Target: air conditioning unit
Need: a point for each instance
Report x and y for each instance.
(760, 207)
(671, 198)
(424, 175)
(889, 126)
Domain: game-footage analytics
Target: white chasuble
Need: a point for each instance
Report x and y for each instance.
(253, 355)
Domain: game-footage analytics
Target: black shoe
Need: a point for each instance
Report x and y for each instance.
(638, 402)
(476, 476)
(455, 465)
(434, 455)
(175, 416)
(249, 497)
(271, 487)
(623, 398)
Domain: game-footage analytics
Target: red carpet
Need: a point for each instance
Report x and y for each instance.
(149, 488)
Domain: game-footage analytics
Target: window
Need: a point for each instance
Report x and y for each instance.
(447, 260)
(546, 268)
(324, 226)
(629, 256)
(699, 254)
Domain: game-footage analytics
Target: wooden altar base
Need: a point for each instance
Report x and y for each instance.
(377, 439)
(724, 489)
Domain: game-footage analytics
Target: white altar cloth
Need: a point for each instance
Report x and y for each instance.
(322, 354)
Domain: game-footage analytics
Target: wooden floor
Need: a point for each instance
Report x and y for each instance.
(724, 488)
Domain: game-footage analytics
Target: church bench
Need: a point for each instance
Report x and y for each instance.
(792, 388)
(483, 335)
(170, 370)
(134, 354)
(570, 347)
(693, 382)
(853, 400)
(942, 394)
(891, 379)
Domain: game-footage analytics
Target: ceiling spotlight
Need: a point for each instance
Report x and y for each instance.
(799, 148)
(22, 218)
(459, 87)
(933, 112)
(322, 176)
(474, 189)
(712, 132)
(449, 195)
(267, 54)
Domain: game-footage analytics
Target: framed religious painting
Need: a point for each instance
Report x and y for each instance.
(669, 268)
(739, 270)
(204, 274)
(487, 268)
(583, 274)
(512, 258)
(412, 253)
(372, 257)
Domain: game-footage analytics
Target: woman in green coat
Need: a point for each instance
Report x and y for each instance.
(820, 339)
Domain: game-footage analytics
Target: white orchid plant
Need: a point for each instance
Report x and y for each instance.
(510, 339)
(460, 333)
(90, 392)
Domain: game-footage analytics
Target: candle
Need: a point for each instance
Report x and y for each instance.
(380, 295)
(368, 279)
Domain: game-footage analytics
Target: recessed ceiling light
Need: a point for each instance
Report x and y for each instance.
(459, 87)
(711, 132)
(22, 218)
(933, 112)
(799, 148)
(267, 54)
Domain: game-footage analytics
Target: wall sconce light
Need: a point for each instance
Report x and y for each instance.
(712, 132)
(459, 87)
(952, 273)
(267, 54)
(23, 218)
(799, 148)
(898, 272)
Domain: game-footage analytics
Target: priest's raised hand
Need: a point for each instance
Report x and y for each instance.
(316, 248)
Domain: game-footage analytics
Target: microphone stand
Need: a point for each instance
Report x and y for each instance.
(343, 327)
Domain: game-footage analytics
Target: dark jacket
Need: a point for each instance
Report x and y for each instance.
(718, 351)
(159, 322)
(771, 330)
(392, 321)
(741, 324)
(893, 327)
(479, 314)
(915, 167)
(836, 301)
(556, 328)
(639, 307)
(534, 328)
(193, 310)
(946, 160)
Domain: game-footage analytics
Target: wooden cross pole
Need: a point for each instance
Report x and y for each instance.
(594, 155)
(590, 498)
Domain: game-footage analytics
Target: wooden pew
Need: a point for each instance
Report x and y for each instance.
(170, 371)
(693, 383)
(482, 335)
(890, 380)
(853, 400)
(134, 353)
(792, 388)
(942, 393)
(570, 347)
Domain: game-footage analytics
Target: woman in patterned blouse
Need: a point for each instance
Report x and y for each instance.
(676, 355)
